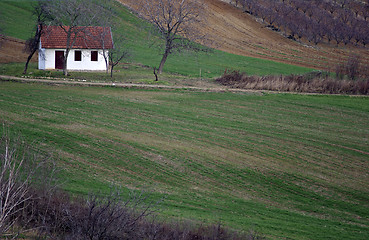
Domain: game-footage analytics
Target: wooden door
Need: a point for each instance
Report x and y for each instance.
(59, 59)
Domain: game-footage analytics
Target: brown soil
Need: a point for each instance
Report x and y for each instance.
(11, 50)
(234, 31)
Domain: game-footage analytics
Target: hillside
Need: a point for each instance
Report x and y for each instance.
(288, 166)
(11, 50)
(239, 33)
(230, 30)
(18, 23)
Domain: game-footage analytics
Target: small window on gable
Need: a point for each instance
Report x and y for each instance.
(77, 56)
(94, 56)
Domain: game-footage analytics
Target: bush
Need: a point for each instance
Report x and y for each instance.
(315, 82)
(57, 216)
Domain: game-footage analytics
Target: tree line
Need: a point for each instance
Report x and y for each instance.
(316, 21)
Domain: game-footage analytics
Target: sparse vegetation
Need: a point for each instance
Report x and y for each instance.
(314, 21)
(21, 169)
(315, 82)
(174, 21)
(113, 217)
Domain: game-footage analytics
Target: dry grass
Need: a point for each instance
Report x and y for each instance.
(308, 83)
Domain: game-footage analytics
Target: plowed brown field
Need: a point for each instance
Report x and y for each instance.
(11, 50)
(234, 31)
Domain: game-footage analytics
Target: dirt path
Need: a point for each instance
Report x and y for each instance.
(69, 82)
(55, 81)
(234, 31)
(218, 89)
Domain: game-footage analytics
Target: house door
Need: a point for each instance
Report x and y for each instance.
(59, 59)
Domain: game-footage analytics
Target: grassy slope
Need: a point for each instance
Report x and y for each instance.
(290, 166)
(287, 165)
(17, 23)
(16, 19)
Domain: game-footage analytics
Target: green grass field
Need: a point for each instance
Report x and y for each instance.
(289, 166)
(17, 22)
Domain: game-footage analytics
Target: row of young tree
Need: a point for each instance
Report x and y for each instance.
(317, 21)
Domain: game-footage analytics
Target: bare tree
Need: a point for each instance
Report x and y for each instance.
(112, 217)
(32, 44)
(248, 6)
(364, 35)
(235, 2)
(73, 17)
(113, 55)
(1, 30)
(352, 66)
(100, 216)
(20, 167)
(365, 11)
(174, 21)
(118, 53)
(104, 37)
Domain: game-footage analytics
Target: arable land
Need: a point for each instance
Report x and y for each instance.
(233, 31)
(288, 166)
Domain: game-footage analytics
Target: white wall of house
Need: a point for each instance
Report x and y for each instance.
(46, 60)
(41, 59)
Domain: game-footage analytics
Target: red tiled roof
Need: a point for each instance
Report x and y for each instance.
(87, 37)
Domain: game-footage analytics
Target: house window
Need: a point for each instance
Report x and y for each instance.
(94, 56)
(77, 56)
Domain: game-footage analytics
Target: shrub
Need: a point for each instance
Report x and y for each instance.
(352, 67)
(20, 167)
(57, 216)
(315, 82)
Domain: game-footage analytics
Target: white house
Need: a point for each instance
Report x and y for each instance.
(86, 53)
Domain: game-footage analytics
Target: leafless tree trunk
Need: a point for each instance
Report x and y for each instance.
(174, 20)
(102, 37)
(156, 74)
(105, 51)
(352, 66)
(117, 54)
(107, 22)
(1, 30)
(32, 44)
(12, 192)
